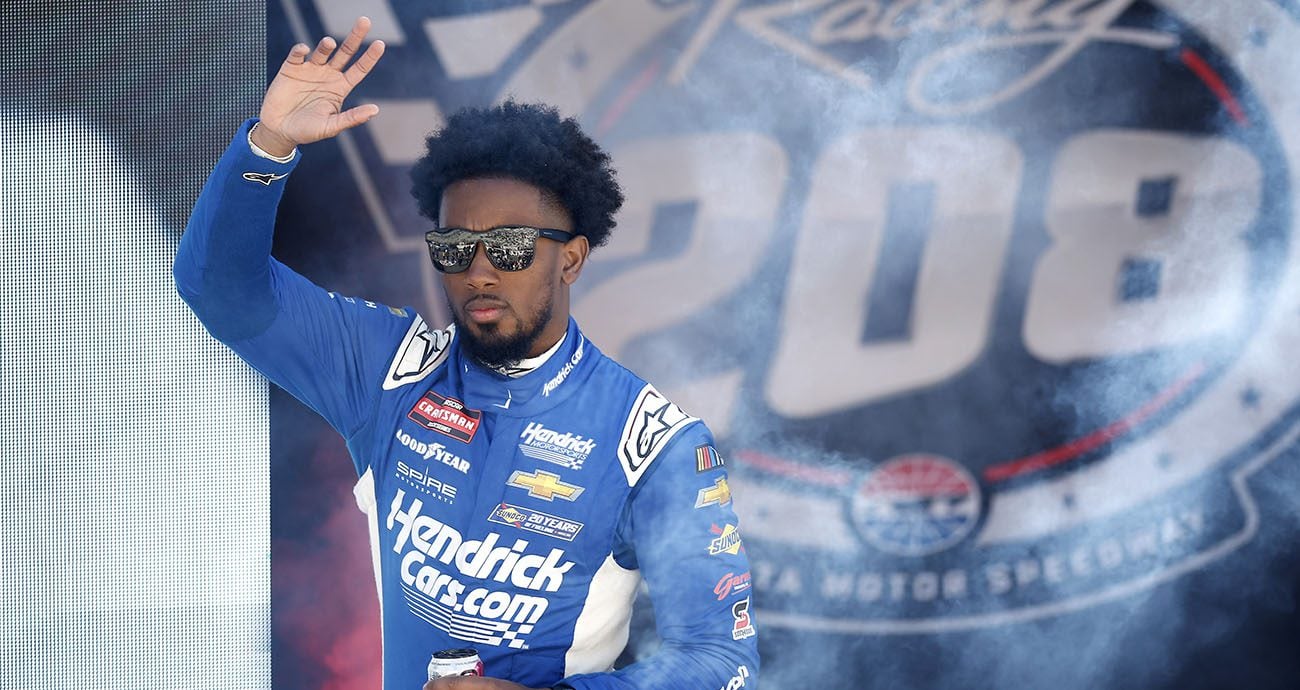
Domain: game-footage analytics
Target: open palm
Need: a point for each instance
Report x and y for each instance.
(304, 103)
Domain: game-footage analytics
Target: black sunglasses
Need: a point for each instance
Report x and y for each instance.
(509, 248)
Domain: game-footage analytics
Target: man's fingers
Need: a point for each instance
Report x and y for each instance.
(353, 116)
(298, 54)
(323, 50)
(365, 63)
(351, 43)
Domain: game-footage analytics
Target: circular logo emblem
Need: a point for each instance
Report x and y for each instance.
(916, 505)
(999, 325)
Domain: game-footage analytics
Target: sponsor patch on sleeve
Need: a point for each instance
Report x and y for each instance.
(717, 495)
(653, 422)
(707, 458)
(743, 627)
(737, 681)
(727, 541)
(730, 584)
(421, 351)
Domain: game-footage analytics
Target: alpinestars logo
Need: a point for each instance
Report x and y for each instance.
(264, 178)
(421, 351)
(435, 556)
(566, 450)
(653, 422)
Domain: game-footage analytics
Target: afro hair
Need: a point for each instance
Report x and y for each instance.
(527, 142)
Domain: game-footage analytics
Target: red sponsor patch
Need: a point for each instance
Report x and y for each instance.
(447, 416)
(744, 626)
(731, 583)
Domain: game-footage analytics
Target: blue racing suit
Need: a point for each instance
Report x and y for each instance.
(518, 515)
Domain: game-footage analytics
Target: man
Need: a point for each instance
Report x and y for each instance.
(519, 484)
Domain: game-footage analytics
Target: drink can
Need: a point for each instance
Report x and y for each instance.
(455, 662)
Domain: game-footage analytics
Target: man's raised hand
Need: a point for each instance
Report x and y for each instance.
(304, 103)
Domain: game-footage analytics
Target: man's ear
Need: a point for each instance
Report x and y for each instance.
(573, 255)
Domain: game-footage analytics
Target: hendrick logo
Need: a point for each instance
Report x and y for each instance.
(535, 521)
(565, 370)
(439, 568)
(447, 416)
(566, 450)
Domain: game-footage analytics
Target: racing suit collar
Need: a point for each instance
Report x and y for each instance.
(527, 365)
(533, 391)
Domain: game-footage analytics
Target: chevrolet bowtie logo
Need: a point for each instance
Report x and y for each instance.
(544, 485)
(718, 494)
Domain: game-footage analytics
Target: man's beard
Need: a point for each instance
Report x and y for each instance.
(498, 351)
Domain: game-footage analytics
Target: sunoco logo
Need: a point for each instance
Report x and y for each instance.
(535, 521)
(1070, 300)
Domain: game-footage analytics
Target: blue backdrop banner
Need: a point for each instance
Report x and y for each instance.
(991, 304)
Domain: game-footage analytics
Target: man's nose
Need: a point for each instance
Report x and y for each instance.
(481, 273)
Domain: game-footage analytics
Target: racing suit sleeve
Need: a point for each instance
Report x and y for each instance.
(681, 531)
(326, 350)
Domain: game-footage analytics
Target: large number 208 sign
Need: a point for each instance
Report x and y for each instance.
(985, 301)
(970, 181)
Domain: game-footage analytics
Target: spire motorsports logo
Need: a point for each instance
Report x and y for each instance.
(1026, 273)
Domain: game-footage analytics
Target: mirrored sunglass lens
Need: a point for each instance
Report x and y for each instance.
(450, 256)
(511, 249)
